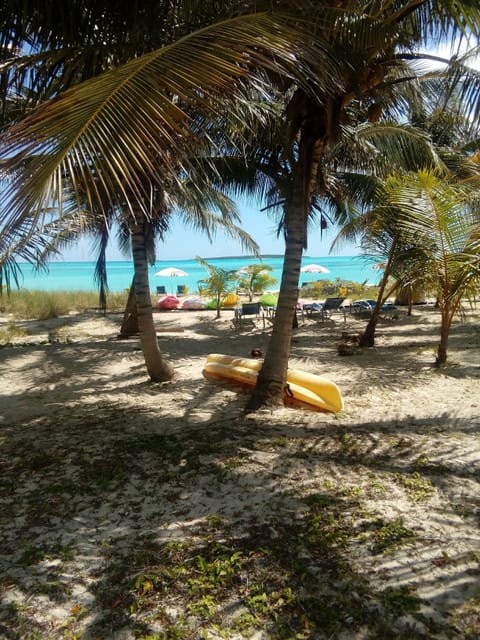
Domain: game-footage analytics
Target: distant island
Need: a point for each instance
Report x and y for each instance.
(267, 255)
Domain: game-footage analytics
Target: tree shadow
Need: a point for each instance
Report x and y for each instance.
(129, 522)
(162, 509)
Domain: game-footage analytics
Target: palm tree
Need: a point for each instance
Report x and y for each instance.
(453, 137)
(219, 283)
(156, 138)
(255, 278)
(371, 46)
(443, 220)
(139, 236)
(361, 59)
(352, 172)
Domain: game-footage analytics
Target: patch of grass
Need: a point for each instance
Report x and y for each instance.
(418, 487)
(389, 536)
(423, 463)
(400, 601)
(54, 589)
(204, 608)
(107, 473)
(466, 618)
(320, 500)
(350, 446)
(281, 579)
(33, 554)
(18, 625)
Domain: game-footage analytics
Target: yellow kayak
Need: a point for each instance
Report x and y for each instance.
(301, 385)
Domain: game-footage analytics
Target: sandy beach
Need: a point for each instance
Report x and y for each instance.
(137, 510)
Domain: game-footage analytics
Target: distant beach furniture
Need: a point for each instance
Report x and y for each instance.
(171, 272)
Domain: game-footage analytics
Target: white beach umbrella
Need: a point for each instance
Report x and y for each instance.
(247, 271)
(244, 271)
(171, 272)
(314, 268)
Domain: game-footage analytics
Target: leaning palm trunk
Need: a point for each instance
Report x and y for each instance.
(272, 378)
(157, 368)
(367, 339)
(130, 317)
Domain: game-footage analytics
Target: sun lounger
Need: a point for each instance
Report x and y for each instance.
(324, 311)
(248, 314)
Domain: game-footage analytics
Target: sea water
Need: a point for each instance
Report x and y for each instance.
(79, 276)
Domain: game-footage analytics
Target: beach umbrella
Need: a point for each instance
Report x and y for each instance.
(171, 272)
(314, 268)
(244, 271)
(248, 270)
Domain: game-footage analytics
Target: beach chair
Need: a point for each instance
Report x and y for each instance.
(327, 309)
(181, 290)
(335, 305)
(161, 290)
(248, 314)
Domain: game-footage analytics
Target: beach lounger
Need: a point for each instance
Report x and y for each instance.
(248, 314)
(324, 311)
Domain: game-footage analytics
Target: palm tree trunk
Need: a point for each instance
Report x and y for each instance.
(157, 368)
(448, 310)
(130, 317)
(272, 378)
(441, 358)
(367, 339)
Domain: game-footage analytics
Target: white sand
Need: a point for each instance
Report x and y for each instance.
(65, 406)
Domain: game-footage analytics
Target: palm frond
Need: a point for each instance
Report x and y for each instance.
(145, 102)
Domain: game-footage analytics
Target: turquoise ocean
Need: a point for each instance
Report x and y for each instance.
(78, 276)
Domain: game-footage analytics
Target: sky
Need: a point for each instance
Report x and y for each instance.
(183, 243)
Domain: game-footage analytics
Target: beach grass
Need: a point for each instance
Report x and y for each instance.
(42, 305)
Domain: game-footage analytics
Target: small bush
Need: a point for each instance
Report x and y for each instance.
(337, 288)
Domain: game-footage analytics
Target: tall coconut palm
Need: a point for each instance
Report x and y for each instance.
(350, 171)
(361, 61)
(152, 140)
(139, 235)
(372, 44)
